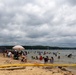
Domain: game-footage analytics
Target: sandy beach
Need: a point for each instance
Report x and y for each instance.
(30, 70)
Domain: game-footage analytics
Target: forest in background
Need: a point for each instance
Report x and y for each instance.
(37, 47)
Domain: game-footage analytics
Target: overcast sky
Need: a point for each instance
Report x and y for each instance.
(38, 22)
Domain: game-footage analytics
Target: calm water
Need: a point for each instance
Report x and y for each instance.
(61, 53)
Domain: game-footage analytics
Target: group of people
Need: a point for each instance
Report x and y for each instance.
(45, 59)
(22, 55)
(16, 55)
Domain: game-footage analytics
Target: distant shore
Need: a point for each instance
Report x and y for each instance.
(40, 47)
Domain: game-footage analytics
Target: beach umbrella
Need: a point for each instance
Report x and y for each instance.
(18, 47)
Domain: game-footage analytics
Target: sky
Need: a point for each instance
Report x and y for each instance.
(38, 22)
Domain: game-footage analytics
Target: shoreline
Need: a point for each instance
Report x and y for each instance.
(33, 70)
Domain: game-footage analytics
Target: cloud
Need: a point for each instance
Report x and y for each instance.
(72, 2)
(38, 22)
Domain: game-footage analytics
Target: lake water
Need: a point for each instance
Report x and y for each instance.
(61, 53)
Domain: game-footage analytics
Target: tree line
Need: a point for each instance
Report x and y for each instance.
(37, 47)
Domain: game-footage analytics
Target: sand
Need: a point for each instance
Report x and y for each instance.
(31, 70)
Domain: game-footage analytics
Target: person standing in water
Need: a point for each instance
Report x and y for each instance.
(52, 60)
(58, 57)
(40, 58)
